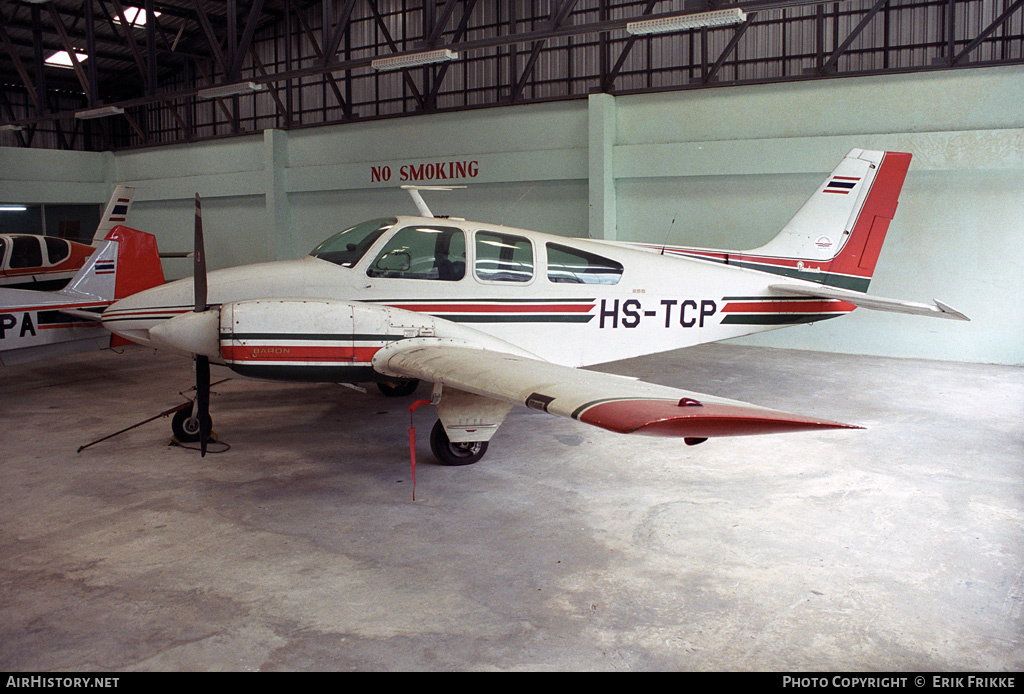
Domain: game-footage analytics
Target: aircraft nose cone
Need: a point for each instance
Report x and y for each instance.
(193, 333)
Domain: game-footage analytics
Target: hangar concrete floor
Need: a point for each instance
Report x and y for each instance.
(899, 547)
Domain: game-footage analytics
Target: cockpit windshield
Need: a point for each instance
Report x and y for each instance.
(346, 247)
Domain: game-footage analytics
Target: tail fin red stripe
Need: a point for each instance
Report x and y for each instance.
(138, 261)
(860, 254)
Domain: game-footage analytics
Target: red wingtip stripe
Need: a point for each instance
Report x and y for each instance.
(667, 418)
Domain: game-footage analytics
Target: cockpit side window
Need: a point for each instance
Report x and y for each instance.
(574, 266)
(503, 257)
(347, 247)
(422, 252)
(25, 252)
(57, 249)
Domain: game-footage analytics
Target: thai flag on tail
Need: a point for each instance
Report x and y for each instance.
(120, 211)
(841, 184)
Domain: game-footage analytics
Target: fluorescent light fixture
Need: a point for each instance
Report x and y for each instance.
(683, 22)
(10, 127)
(63, 59)
(136, 16)
(231, 90)
(13, 208)
(101, 112)
(397, 62)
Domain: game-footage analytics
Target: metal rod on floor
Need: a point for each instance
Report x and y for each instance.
(146, 421)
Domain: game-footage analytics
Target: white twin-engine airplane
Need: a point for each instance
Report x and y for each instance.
(496, 317)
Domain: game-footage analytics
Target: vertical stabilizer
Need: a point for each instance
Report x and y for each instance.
(126, 262)
(837, 235)
(116, 211)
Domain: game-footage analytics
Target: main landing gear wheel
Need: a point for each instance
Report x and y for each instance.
(185, 428)
(448, 453)
(398, 388)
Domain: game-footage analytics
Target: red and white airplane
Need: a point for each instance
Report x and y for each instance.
(496, 317)
(38, 325)
(48, 263)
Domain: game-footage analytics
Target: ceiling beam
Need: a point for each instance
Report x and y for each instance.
(311, 37)
(998, 22)
(833, 60)
(559, 13)
(22, 72)
(332, 37)
(65, 41)
(729, 48)
(242, 48)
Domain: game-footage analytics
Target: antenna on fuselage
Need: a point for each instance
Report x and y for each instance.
(668, 233)
(414, 191)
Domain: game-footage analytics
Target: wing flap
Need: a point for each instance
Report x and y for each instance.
(612, 402)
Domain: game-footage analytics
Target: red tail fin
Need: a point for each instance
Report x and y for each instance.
(138, 261)
(138, 266)
(860, 253)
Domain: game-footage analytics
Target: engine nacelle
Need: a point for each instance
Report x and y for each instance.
(312, 339)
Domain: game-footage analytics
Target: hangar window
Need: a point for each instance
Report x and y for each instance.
(26, 252)
(346, 247)
(422, 253)
(57, 249)
(573, 266)
(503, 257)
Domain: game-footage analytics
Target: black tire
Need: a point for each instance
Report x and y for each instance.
(448, 453)
(398, 388)
(185, 429)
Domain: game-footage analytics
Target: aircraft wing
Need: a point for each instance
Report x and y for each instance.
(612, 402)
(878, 303)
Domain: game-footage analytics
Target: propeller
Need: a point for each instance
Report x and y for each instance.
(202, 408)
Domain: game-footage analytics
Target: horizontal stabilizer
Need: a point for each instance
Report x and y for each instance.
(609, 401)
(878, 303)
(95, 315)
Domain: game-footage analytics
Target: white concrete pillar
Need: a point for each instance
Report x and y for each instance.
(275, 164)
(601, 121)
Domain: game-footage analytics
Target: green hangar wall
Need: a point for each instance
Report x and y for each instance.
(719, 168)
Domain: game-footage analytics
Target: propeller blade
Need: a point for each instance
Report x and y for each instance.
(203, 400)
(199, 261)
(202, 361)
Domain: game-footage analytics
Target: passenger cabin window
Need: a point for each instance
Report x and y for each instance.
(503, 257)
(26, 252)
(573, 266)
(347, 247)
(57, 249)
(422, 253)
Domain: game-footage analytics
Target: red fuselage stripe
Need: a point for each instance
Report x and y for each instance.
(495, 308)
(53, 307)
(290, 353)
(58, 326)
(786, 306)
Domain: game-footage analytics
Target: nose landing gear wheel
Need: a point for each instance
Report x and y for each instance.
(185, 428)
(448, 453)
(398, 388)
